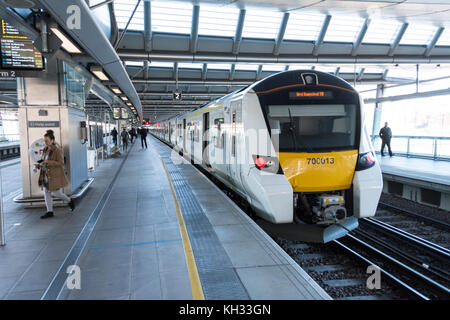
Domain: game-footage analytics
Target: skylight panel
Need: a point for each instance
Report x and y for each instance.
(123, 10)
(261, 24)
(444, 39)
(248, 67)
(219, 66)
(343, 29)
(134, 63)
(326, 69)
(408, 72)
(273, 67)
(304, 26)
(190, 65)
(161, 64)
(299, 67)
(217, 20)
(418, 34)
(373, 70)
(171, 17)
(382, 31)
(349, 69)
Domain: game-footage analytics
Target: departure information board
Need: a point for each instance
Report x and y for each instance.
(17, 50)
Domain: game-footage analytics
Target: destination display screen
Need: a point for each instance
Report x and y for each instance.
(299, 95)
(18, 51)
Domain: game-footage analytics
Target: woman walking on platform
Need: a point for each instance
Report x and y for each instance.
(52, 177)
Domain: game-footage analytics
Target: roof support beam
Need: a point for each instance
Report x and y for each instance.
(279, 40)
(239, 28)
(101, 4)
(396, 42)
(194, 28)
(336, 73)
(286, 67)
(147, 26)
(433, 41)
(360, 74)
(360, 38)
(321, 36)
(258, 72)
(232, 71)
(204, 71)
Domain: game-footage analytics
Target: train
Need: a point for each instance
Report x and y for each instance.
(294, 146)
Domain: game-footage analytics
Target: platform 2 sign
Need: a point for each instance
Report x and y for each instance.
(18, 52)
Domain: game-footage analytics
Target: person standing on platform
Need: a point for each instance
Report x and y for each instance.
(133, 134)
(114, 134)
(386, 135)
(52, 178)
(143, 132)
(124, 135)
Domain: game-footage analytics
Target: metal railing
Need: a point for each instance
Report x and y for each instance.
(10, 137)
(435, 148)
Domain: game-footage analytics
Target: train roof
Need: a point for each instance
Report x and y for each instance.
(279, 80)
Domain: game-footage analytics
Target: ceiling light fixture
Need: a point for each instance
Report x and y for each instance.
(67, 44)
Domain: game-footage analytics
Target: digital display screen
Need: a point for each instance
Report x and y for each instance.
(18, 51)
(298, 95)
(124, 114)
(116, 113)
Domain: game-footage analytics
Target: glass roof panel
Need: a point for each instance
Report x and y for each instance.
(219, 66)
(418, 34)
(299, 67)
(261, 24)
(349, 69)
(382, 31)
(217, 20)
(402, 71)
(161, 64)
(172, 17)
(304, 26)
(249, 66)
(326, 69)
(273, 67)
(444, 39)
(190, 65)
(343, 29)
(134, 63)
(123, 10)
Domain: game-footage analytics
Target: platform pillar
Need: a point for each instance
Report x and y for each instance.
(54, 102)
(377, 113)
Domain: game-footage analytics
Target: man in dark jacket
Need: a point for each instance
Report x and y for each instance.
(386, 135)
(143, 133)
(114, 134)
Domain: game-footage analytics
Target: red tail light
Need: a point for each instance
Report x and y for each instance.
(260, 162)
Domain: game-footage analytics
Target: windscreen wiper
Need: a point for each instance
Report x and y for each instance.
(294, 135)
(292, 129)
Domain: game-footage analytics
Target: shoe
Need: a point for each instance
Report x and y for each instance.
(72, 205)
(47, 215)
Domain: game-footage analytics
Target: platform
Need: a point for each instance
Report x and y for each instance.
(149, 229)
(437, 172)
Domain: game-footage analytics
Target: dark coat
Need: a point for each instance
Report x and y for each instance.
(54, 170)
(385, 133)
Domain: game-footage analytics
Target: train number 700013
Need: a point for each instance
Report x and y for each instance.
(327, 160)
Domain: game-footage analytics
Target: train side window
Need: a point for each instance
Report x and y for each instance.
(233, 145)
(220, 139)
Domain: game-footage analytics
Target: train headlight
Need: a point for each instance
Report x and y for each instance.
(365, 161)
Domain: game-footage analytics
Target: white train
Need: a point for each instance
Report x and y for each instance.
(294, 146)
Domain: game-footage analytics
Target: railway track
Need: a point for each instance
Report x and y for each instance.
(431, 229)
(343, 267)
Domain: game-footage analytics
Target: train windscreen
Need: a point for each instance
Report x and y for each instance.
(313, 128)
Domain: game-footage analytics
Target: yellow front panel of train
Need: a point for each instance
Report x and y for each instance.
(315, 172)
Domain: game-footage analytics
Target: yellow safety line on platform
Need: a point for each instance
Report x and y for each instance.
(196, 286)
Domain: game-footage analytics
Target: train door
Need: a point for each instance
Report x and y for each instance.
(184, 134)
(205, 143)
(234, 164)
